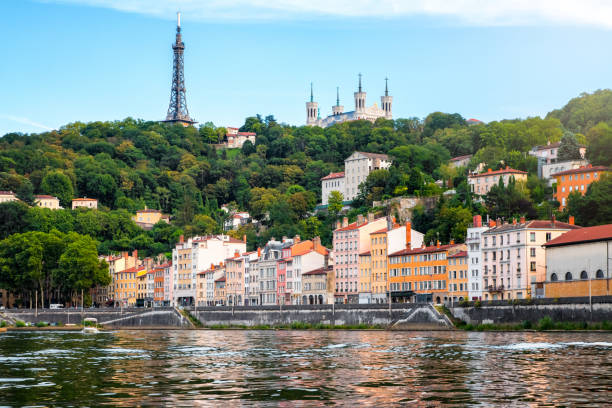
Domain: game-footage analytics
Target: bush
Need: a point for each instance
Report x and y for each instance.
(545, 323)
(464, 303)
(20, 323)
(526, 325)
(477, 303)
(3, 324)
(42, 324)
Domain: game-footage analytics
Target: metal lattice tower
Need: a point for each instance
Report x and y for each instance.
(177, 111)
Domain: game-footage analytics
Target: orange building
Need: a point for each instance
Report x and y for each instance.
(576, 180)
(458, 276)
(421, 273)
(378, 259)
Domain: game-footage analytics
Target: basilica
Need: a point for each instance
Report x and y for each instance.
(361, 111)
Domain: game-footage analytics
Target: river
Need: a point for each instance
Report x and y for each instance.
(313, 368)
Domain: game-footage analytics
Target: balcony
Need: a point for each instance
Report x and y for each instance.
(495, 288)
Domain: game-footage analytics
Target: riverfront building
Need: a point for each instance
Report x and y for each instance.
(318, 286)
(458, 277)
(350, 240)
(474, 251)
(578, 263)
(514, 262)
(421, 273)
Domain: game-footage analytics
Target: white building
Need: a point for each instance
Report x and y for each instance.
(545, 170)
(329, 183)
(7, 196)
(548, 153)
(250, 279)
(306, 256)
(361, 111)
(235, 139)
(47, 201)
(168, 284)
(197, 254)
(472, 239)
(357, 167)
(236, 220)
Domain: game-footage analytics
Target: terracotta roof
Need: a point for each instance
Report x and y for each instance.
(247, 134)
(221, 279)
(6, 193)
(582, 169)
(84, 199)
(320, 271)
(507, 170)
(535, 224)
(354, 225)
(304, 247)
(467, 156)
(333, 176)
(582, 235)
(429, 249)
(379, 231)
(375, 155)
(132, 269)
(461, 254)
(148, 210)
(44, 196)
(365, 253)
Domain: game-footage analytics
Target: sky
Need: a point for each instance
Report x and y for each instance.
(88, 60)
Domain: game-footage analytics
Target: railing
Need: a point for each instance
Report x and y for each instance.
(495, 288)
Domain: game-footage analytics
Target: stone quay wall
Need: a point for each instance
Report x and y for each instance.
(598, 309)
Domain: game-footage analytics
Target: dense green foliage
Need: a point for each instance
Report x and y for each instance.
(131, 164)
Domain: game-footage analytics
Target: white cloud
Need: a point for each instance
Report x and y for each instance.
(597, 13)
(25, 121)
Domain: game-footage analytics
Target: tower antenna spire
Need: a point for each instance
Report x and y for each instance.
(360, 82)
(386, 86)
(311, 94)
(337, 96)
(177, 110)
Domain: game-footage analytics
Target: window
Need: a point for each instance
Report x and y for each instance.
(568, 276)
(548, 236)
(599, 274)
(532, 237)
(584, 275)
(532, 266)
(532, 252)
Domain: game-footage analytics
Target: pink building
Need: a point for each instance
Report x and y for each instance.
(234, 285)
(349, 240)
(514, 261)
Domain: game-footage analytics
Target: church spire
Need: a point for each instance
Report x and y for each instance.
(360, 82)
(311, 95)
(337, 96)
(386, 86)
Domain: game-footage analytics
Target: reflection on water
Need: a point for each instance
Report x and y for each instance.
(380, 368)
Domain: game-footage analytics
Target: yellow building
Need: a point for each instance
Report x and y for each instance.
(147, 218)
(219, 296)
(365, 274)
(126, 285)
(378, 277)
(47, 201)
(115, 264)
(458, 277)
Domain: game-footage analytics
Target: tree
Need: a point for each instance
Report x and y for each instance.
(509, 201)
(334, 203)
(569, 148)
(599, 150)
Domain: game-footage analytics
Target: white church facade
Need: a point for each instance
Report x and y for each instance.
(361, 111)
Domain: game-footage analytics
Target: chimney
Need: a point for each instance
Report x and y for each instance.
(438, 243)
(477, 221)
(491, 224)
(244, 238)
(370, 217)
(316, 243)
(221, 264)
(571, 220)
(553, 219)
(284, 238)
(522, 220)
(408, 235)
(499, 222)
(135, 253)
(259, 252)
(181, 239)
(514, 221)
(338, 224)
(212, 266)
(360, 219)
(236, 254)
(297, 239)
(124, 254)
(452, 242)
(344, 222)
(489, 170)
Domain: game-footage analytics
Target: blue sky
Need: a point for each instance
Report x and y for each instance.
(86, 60)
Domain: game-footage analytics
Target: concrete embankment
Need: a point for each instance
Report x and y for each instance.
(108, 317)
(598, 309)
(400, 316)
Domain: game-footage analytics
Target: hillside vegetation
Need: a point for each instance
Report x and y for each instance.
(130, 164)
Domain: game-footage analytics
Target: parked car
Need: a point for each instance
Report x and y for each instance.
(56, 306)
